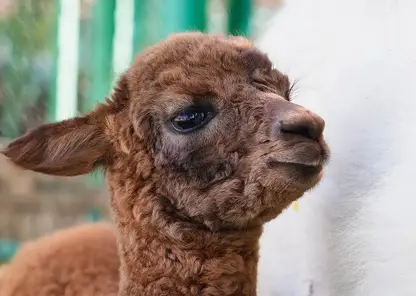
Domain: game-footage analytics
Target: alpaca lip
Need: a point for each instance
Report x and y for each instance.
(271, 163)
(307, 171)
(308, 155)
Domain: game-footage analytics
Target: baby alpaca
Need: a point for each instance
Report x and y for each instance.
(79, 261)
(201, 146)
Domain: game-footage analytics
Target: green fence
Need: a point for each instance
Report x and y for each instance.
(61, 57)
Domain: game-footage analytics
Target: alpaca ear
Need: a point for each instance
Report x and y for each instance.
(71, 147)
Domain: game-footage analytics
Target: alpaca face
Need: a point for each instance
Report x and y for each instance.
(226, 147)
(200, 130)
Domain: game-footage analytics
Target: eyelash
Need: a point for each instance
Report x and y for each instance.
(289, 92)
(261, 83)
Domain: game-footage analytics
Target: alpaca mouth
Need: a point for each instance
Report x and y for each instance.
(303, 173)
(304, 167)
(304, 162)
(311, 157)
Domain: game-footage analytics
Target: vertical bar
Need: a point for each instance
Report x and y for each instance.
(67, 63)
(102, 28)
(198, 14)
(123, 35)
(184, 15)
(140, 10)
(102, 52)
(52, 97)
(239, 12)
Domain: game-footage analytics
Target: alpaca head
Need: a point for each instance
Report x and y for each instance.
(201, 123)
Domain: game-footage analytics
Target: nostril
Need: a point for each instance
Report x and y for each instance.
(298, 130)
(310, 131)
(293, 120)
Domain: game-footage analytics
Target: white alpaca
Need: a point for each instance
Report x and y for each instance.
(354, 235)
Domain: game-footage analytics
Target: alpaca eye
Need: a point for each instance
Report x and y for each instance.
(192, 118)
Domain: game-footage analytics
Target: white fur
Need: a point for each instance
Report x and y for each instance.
(354, 235)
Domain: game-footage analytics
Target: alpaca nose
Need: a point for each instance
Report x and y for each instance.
(304, 123)
(299, 121)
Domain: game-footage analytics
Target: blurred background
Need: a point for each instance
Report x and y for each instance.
(355, 65)
(59, 58)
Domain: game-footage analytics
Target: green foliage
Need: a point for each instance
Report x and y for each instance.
(29, 28)
(26, 33)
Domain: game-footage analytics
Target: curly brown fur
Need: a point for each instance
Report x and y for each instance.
(79, 261)
(189, 207)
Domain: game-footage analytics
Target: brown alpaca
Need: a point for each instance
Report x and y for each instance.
(201, 147)
(79, 261)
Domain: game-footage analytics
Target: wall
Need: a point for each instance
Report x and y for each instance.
(32, 204)
(354, 235)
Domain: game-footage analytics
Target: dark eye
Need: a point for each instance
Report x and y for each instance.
(192, 118)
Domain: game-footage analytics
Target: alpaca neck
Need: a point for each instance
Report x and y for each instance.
(194, 262)
(163, 253)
